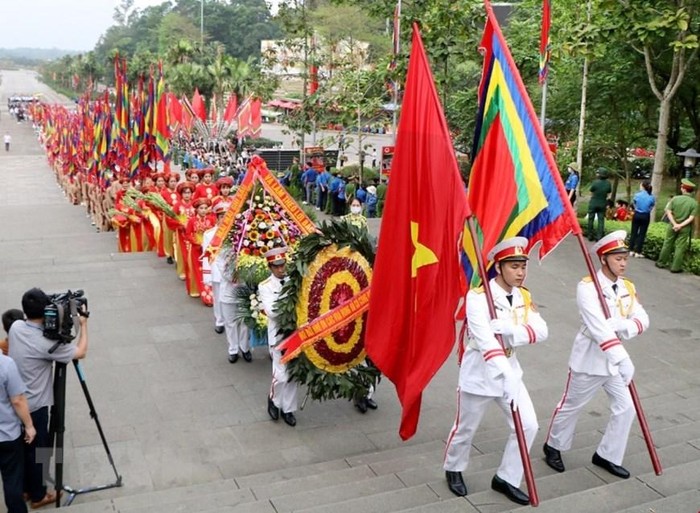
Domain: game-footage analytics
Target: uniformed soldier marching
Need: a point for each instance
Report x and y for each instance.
(282, 400)
(599, 360)
(489, 374)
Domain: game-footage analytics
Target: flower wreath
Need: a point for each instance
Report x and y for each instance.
(329, 267)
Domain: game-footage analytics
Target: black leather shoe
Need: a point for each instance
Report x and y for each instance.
(361, 405)
(371, 404)
(272, 410)
(615, 470)
(233, 358)
(510, 491)
(455, 483)
(219, 329)
(170, 260)
(247, 356)
(553, 458)
(289, 419)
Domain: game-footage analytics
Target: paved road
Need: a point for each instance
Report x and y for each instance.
(176, 412)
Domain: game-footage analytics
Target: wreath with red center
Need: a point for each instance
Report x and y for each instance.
(330, 268)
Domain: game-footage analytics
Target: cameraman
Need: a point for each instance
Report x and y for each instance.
(30, 351)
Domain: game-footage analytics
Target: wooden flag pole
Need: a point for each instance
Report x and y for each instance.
(520, 435)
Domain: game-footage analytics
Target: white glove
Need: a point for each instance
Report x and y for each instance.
(626, 370)
(615, 324)
(511, 388)
(503, 327)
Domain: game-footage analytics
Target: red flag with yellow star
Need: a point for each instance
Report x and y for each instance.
(417, 281)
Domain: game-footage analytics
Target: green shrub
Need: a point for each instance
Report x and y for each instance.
(654, 241)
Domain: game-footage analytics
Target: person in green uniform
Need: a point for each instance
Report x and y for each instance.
(350, 190)
(600, 189)
(681, 211)
(381, 196)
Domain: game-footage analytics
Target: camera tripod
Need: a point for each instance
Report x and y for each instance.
(57, 429)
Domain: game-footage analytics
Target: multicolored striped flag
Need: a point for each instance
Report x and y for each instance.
(514, 186)
(544, 40)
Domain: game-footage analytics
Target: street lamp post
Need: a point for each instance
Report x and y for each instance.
(690, 158)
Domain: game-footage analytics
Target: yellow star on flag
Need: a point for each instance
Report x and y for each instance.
(422, 255)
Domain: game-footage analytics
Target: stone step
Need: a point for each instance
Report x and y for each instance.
(395, 500)
(610, 498)
(408, 471)
(332, 495)
(686, 502)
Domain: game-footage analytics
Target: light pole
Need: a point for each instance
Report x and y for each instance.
(201, 23)
(690, 157)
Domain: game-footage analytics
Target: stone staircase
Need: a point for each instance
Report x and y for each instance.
(410, 478)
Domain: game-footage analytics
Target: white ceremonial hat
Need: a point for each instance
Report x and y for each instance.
(514, 248)
(612, 243)
(276, 256)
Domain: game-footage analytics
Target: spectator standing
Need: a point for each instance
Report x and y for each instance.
(643, 203)
(681, 212)
(14, 413)
(8, 140)
(572, 182)
(371, 201)
(600, 189)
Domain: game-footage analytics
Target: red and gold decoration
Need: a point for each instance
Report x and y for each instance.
(324, 313)
(333, 292)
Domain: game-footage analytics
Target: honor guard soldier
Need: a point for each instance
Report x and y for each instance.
(599, 360)
(283, 392)
(491, 373)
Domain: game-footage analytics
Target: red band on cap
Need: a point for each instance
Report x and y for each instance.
(509, 252)
(610, 246)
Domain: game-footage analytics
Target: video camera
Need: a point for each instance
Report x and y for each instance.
(59, 314)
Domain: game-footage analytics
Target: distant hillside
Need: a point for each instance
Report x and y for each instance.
(34, 54)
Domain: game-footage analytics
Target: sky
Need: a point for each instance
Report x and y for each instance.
(64, 24)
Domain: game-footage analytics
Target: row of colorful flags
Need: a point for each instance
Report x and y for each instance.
(129, 136)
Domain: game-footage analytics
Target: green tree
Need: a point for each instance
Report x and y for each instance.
(666, 33)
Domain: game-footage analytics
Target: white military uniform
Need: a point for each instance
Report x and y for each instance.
(593, 364)
(212, 274)
(225, 297)
(481, 379)
(283, 392)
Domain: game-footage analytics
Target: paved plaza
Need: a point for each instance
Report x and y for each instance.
(176, 413)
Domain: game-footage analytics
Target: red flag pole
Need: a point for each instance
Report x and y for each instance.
(646, 432)
(520, 435)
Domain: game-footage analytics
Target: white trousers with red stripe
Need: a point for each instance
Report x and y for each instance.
(580, 389)
(470, 411)
(283, 392)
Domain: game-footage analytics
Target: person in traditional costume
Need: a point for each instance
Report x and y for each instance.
(194, 233)
(206, 188)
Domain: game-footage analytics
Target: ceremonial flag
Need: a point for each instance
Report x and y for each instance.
(544, 40)
(161, 124)
(213, 113)
(250, 118)
(514, 185)
(174, 110)
(198, 106)
(231, 108)
(416, 284)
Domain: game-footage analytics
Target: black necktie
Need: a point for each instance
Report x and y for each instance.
(614, 287)
(509, 297)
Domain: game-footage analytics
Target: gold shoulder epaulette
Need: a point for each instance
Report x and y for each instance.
(586, 279)
(479, 289)
(265, 280)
